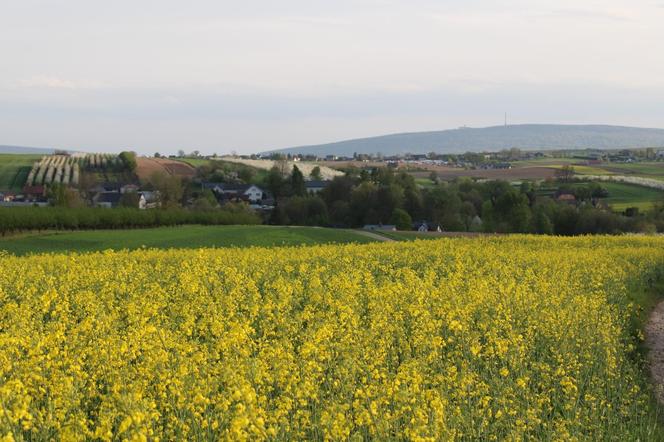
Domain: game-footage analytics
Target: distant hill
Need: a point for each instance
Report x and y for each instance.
(525, 136)
(26, 150)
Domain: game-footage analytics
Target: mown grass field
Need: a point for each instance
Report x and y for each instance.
(502, 338)
(14, 169)
(177, 237)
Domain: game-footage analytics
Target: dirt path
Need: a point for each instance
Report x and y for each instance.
(655, 344)
(373, 235)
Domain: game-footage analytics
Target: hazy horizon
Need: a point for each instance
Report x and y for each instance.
(217, 76)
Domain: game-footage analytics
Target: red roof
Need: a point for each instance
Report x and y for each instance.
(566, 197)
(34, 190)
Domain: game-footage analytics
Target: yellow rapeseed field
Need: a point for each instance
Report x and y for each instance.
(507, 338)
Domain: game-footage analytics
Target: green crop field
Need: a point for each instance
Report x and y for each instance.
(14, 169)
(194, 162)
(653, 170)
(544, 162)
(622, 196)
(178, 237)
(582, 169)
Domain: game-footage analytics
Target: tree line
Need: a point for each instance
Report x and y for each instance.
(383, 196)
(18, 219)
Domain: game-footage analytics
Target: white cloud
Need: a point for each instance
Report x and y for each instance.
(49, 82)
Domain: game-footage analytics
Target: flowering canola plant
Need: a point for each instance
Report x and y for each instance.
(507, 338)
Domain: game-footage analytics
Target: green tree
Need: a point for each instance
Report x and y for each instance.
(541, 222)
(169, 187)
(316, 174)
(297, 185)
(246, 174)
(565, 173)
(62, 196)
(274, 182)
(388, 198)
(304, 210)
(129, 199)
(401, 219)
(128, 160)
(339, 189)
(361, 204)
(205, 201)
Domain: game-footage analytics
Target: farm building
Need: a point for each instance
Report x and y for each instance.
(424, 226)
(387, 227)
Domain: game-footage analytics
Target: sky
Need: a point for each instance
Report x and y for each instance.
(246, 76)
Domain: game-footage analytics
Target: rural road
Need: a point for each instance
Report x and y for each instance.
(655, 344)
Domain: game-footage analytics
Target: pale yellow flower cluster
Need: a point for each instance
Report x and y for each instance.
(507, 338)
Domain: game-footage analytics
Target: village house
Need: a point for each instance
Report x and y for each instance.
(113, 199)
(106, 199)
(424, 226)
(129, 188)
(107, 187)
(243, 192)
(148, 200)
(34, 193)
(315, 186)
(566, 198)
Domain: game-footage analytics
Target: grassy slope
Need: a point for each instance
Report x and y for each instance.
(14, 169)
(178, 237)
(259, 174)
